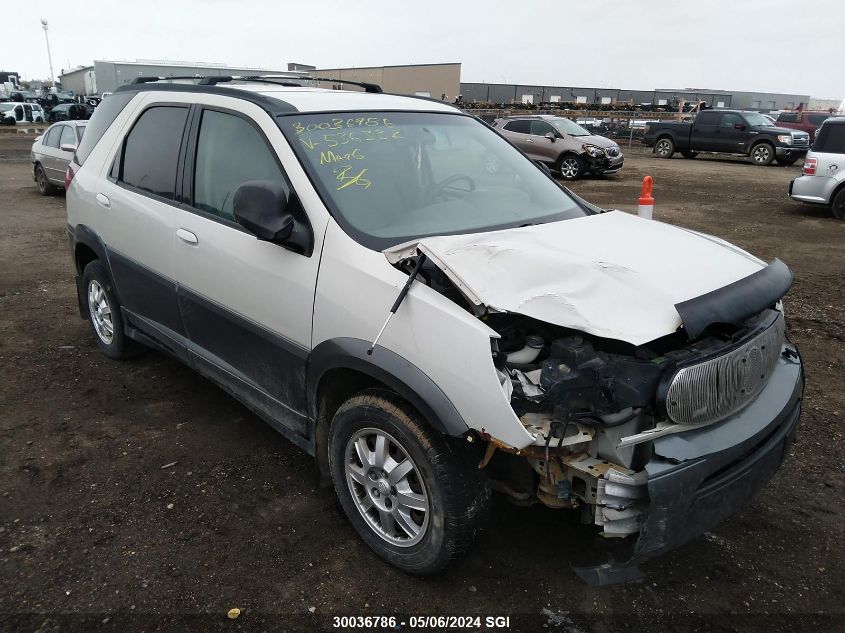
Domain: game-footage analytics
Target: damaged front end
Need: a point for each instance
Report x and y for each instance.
(658, 398)
(657, 442)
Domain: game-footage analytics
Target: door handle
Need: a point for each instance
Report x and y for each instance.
(187, 236)
(103, 200)
(529, 140)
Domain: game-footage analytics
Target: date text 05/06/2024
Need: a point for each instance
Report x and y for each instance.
(435, 622)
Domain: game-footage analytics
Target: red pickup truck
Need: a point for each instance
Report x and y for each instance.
(807, 121)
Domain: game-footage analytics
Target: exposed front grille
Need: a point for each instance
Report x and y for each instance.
(801, 141)
(714, 389)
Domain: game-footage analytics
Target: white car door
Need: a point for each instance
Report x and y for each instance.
(246, 304)
(137, 222)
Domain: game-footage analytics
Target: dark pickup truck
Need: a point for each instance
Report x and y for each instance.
(728, 132)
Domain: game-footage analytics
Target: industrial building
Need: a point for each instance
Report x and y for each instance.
(440, 81)
(517, 93)
(108, 76)
(425, 80)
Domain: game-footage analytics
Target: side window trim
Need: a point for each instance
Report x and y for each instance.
(191, 158)
(119, 155)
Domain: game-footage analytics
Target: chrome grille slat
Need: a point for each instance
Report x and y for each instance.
(714, 389)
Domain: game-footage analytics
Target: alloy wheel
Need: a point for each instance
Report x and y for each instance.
(569, 168)
(100, 311)
(387, 487)
(761, 154)
(662, 148)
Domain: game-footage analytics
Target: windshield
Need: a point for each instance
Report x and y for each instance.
(757, 120)
(392, 177)
(567, 126)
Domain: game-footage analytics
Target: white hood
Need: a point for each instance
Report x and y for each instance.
(613, 274)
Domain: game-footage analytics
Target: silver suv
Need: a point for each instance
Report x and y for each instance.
(348, 266)
(823, 179)
(562, 144)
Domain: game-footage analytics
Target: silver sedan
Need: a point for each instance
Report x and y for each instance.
(51, 153)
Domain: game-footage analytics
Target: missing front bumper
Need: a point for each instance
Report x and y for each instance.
(697, 479)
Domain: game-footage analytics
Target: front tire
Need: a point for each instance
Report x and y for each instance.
(104, 314)
(408, 492)
(45, 187)
(664, 148)
(762, 154)
(571, 167)
(838, 205)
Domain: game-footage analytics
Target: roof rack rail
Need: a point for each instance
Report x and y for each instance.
(368, 87)
(212, 80)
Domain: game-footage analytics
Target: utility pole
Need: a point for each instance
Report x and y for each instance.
(49, 56)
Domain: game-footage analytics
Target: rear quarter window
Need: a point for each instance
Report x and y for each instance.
(787, 117)
(104, 115)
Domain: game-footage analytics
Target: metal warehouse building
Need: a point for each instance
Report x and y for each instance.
(518, 93)
(107, 76)
(425, 80)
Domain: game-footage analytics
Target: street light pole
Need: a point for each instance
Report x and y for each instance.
(49, 56)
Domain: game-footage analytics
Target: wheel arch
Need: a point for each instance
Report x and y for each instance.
(87, 247)
(836, 190)
(339, 368)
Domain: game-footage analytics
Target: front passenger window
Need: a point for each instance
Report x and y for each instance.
(230, 151)
(540, 128)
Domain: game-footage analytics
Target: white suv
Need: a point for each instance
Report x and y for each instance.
(823, 177)
(539, 346)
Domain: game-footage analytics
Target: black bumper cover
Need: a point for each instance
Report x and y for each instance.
(699, 477)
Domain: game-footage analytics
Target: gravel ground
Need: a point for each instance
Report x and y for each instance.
(138, 496)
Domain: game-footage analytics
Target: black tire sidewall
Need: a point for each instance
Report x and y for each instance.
(121, 346)
(432, 553)
(837, 206)
(48, 188)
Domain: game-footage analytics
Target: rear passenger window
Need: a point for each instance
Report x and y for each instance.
(521, 127)
(151, 151)
(708, 118)
(787, 117)
(230, 151)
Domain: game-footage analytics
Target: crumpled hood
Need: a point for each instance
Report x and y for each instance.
(613, 275)
(598, 141)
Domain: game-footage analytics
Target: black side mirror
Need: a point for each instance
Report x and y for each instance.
(551, 136)
(260, 207)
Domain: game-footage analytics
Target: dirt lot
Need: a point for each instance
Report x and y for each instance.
(95, 531)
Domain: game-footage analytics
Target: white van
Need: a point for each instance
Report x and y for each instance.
(21, 113)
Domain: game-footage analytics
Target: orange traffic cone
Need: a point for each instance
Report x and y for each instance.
(646, 209)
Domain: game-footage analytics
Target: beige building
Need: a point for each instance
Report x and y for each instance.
(426, 80)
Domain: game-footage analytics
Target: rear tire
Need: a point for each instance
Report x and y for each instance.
(408, 492)
(689, 154)
(571, 167)
(664, 147)
(762, 154)
(838, 205)
(104, 313)
(45, 187)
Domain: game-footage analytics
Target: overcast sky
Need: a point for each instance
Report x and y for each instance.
(761, 45)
